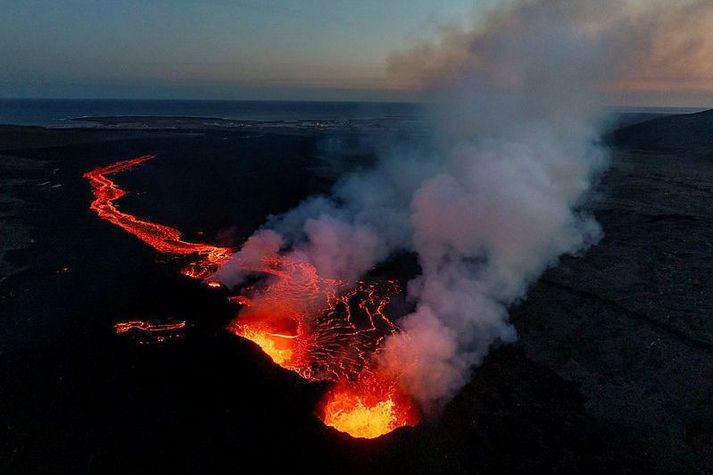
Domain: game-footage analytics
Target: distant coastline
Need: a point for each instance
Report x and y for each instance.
(69, 112)
(73, 113)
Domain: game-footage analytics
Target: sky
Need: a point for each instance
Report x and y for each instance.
(231, 49)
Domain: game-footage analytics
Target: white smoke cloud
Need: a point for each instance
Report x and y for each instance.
(262, 244)
(498, 198)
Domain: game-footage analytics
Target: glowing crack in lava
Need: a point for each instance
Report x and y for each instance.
(322, 329)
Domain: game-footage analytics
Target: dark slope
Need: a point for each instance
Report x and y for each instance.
(77, 398)
(690, 134)
(611, 373)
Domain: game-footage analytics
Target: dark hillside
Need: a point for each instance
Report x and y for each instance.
(689, 134)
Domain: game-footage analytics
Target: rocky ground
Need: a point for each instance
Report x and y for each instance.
(613, 370)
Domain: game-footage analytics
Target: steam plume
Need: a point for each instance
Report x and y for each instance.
(498, 199)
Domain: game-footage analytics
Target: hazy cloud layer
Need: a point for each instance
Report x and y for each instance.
(667, 47)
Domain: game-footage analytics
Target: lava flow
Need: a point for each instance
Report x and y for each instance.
(143, 325)
(162, 238)
(325, 330)
(322, 329)
(148, 333)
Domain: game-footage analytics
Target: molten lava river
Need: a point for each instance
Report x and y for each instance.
(322, 329)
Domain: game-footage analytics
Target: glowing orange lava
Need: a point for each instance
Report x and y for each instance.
(143, 325)
(329, 330)
(322, 329)
(277, 347)
(162, 238)
(368, 408)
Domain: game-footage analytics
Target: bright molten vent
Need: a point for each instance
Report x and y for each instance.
(322, 329)
(368, 408)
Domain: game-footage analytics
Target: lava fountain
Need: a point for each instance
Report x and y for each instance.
(322, 329)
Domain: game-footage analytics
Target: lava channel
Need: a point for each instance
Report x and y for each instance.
(164, 239)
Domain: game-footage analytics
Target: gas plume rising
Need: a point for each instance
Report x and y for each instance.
(495, 199)
(661, 49)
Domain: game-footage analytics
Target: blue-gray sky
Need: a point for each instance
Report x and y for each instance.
(275, 49)
(242, 49)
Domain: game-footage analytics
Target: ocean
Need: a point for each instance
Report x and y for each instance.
(60, 112)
